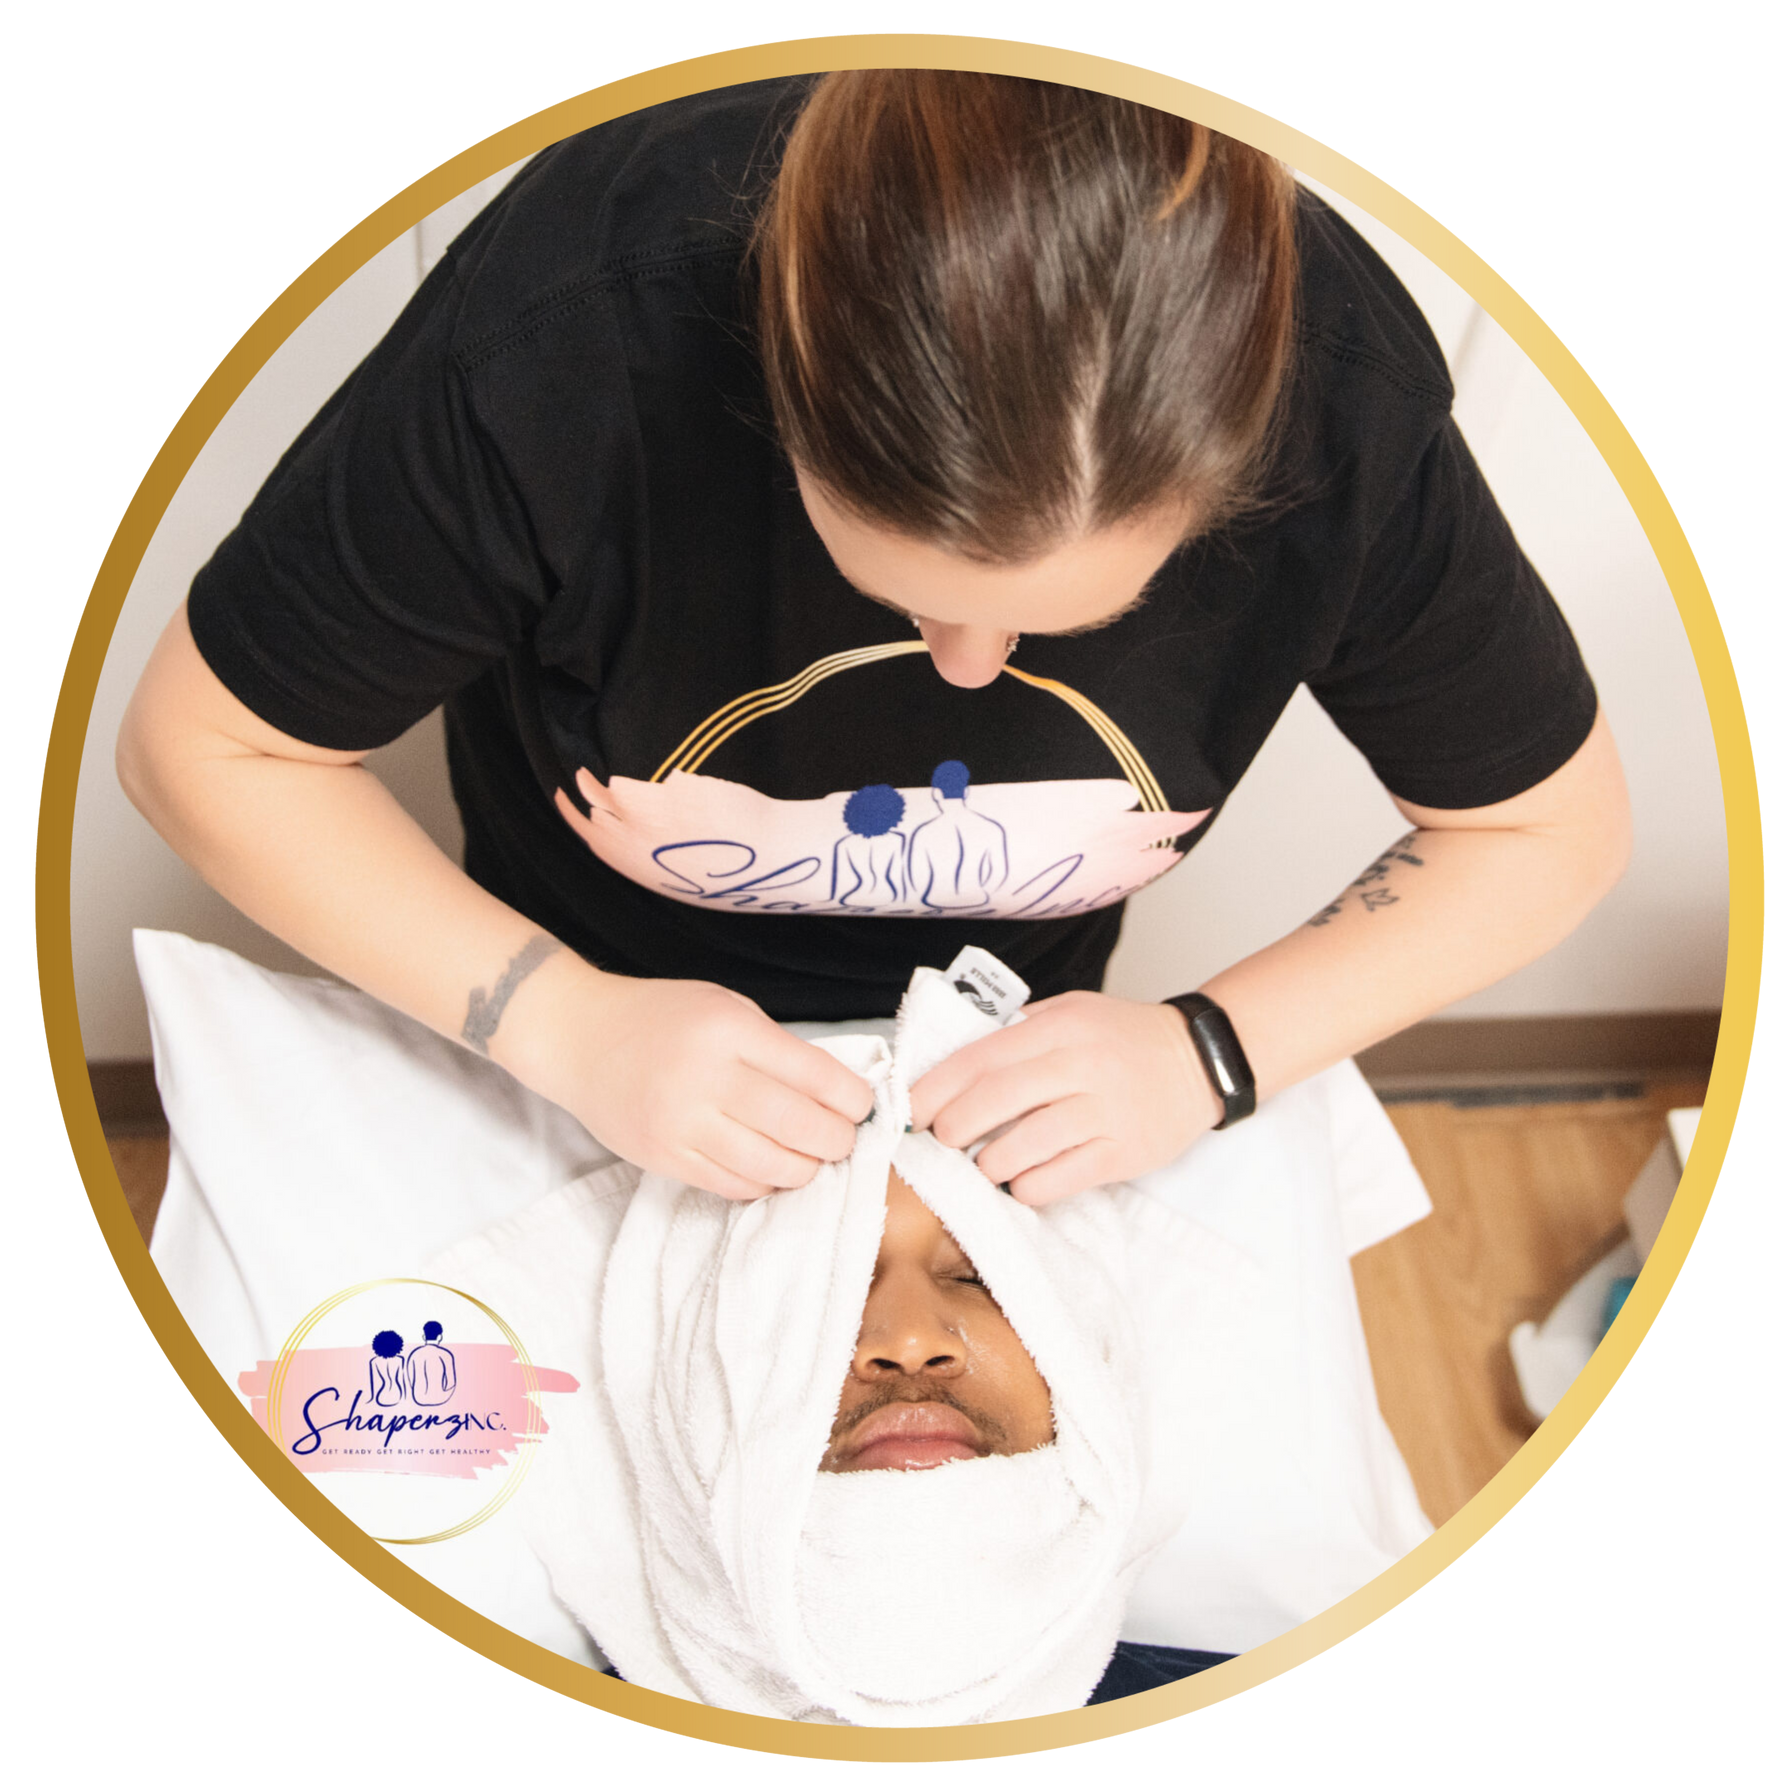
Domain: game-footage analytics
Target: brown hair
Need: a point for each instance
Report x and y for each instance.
(997, 313)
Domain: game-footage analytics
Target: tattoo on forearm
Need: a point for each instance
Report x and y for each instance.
(1369, 889)
(483, 1010)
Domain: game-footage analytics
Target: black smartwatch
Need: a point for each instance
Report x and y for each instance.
(1214, 1038)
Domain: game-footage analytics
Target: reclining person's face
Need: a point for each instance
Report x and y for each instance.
(938, 1373)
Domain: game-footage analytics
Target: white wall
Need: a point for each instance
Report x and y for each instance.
(123, 875)
(1309, 814)
(1304, 820)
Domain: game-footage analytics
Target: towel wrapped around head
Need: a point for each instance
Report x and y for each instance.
(679, 1504)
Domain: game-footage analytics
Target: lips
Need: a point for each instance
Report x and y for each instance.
(910, 1437)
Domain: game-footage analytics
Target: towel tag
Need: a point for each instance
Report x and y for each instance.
(980, 977)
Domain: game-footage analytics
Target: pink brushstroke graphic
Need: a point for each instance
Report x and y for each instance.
(1030, 851)
(330, 1419)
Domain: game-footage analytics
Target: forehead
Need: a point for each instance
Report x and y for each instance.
(1082, 583)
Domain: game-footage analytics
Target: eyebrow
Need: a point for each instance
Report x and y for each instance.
(1074, 630)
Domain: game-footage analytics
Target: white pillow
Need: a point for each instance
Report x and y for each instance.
(1300, 1493)
(319, 1139)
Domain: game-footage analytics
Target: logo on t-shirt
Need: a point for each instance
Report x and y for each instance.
(953, 847)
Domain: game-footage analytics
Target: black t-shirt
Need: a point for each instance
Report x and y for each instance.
(682, 742)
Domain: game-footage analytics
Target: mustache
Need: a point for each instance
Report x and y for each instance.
(918, 1390)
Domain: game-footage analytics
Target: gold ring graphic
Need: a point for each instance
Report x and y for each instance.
(531, 1432)
(730, 719)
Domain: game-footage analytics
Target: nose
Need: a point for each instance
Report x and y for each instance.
(906, 1332)
(966, 655)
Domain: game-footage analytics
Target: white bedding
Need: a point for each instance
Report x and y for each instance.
(319, 1139)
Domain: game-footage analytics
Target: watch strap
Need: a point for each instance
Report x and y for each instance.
(1220, 1052)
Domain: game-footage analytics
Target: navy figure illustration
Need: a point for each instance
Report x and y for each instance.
(868, 863)
(386, 1371)
(956, 859)
(430, 1371)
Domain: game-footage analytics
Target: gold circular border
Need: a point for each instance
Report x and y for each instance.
(979, 55)
(276, 1386)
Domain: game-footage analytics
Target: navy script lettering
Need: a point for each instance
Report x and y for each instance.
(387, 1425)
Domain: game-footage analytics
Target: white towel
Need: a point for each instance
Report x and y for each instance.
(678, 1504)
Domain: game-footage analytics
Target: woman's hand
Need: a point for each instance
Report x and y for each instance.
(1094, 1089)
(684, 1078)
(681, 1077)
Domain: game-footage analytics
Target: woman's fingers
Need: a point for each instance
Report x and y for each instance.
(703, 1171)
(1088, 1165)
(1088, 1090)
(750, 1156)
(999, 1096)
(811, 1071)
(1040, 1138)
(695, 1081)
(790, 1119)
(948, 1082)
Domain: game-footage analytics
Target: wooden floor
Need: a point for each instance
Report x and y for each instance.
(142, 1164)
(1526, 1197)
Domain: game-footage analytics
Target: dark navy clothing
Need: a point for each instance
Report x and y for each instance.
(1134, 1668)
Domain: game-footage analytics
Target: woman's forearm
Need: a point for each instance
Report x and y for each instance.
(1460, 902)
(1090, 1088)
(686, 1078)
(309, 844)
